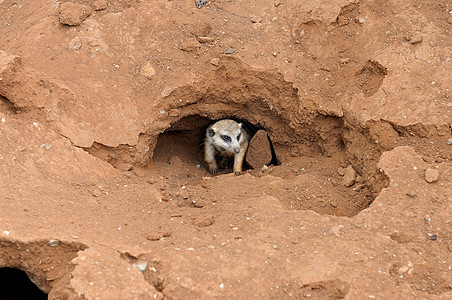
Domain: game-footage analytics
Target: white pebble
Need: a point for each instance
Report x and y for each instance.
(53, 243)
(141, 266)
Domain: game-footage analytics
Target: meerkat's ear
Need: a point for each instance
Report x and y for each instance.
(211, 132)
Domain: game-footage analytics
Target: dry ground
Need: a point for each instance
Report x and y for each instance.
(104, 192)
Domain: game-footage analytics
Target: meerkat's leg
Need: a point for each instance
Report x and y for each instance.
(209, 157)
(238, 160)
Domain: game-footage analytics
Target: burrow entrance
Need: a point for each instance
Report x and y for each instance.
(184, 141)
(313, 175)
(325, 164)
(15, 284)
(33, 270)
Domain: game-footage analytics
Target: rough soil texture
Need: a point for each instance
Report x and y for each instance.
(104, 193)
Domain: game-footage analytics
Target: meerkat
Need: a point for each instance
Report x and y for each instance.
(228, 139)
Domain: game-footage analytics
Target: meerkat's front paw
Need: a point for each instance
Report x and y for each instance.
(237, 173)
(213, 169)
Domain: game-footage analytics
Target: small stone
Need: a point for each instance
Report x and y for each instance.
(75, 43)
(166, 233)
(259, 150)
(215, 61)
(431, 175)
(201, 29)
(140, 266)
(433, 237)
(349, 176)
(416, 39)
(344, 60)
(184, 194)
(148, 71)
(205, 221)
(274, 54)
(449, 19)
(73, 14)
(359, 186)
(403, 269)
(175, 112)
(100, 5)
(125, 167)
(205, 39)
(229, 50)
(277, 3)
(166, 92)
(190, 45)
(96, 193)
(449, 141)
(151, 180)
(200, 203)
(256, 19)
(341, 171)
(342, 20)
(53, 243)
(400, 238)
(154, 236)
(411, 194)
(257, 25)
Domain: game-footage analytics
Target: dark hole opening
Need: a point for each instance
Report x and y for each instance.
(185, 138)
(15, 284)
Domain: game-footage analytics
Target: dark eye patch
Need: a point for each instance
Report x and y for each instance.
(226, 138)
(238, 137)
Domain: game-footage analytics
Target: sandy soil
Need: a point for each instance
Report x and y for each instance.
(103, 108)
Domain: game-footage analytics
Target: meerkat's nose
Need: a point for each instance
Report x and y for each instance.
(237, 150)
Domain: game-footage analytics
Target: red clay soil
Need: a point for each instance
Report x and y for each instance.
(104, 191)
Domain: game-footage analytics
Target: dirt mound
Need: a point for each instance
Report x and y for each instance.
(103, 109)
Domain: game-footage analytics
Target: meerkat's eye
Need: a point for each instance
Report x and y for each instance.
(226, 138)
(238, 137)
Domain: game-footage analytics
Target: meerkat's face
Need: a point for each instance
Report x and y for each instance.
(226, 135)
